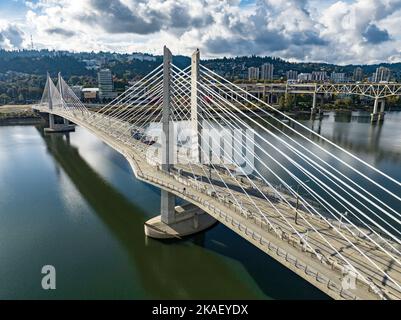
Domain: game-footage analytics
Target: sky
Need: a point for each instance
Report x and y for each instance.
(333, 31)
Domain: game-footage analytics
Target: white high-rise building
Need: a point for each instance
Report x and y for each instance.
(106, 87)
(382, 74)
(338, 77)
(253, 73)
(319, 75)
(305, 77)
(358, 74)
(292, 75)
(267, 71)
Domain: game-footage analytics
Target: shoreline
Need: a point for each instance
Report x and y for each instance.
(19, 115)
(21, 121)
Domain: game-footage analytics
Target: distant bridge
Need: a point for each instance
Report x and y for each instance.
(325, 214)
(376, 91)
(371, 90)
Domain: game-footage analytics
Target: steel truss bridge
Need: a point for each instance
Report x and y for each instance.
(376, 91)
(371, 90)
(319, 210)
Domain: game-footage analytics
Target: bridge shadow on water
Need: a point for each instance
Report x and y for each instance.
(205, 266)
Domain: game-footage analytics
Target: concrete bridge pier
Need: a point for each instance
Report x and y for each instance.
(313, 110)
(381, 113)
(376, 115)
(51, 121)
(178, 221)
(58, 127)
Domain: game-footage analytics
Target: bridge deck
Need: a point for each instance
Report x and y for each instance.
(279, 240)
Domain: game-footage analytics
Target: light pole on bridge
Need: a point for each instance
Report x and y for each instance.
(297, 204)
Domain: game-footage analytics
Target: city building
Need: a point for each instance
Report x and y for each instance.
(372, 77)
(358, 74)
(319, 76)
(105, 81)
(304, 77)
(141, 57)
(267, 70)
(382, 74)
(292, 75)
(91, 64)
(253, 73)
(90, 94)
(338, 77)
(77, 91)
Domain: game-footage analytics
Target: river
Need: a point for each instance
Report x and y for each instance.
(73, 202)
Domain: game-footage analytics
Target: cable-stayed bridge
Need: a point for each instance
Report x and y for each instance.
(325, 214)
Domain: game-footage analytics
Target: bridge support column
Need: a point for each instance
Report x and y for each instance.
(167, 199)
(376, 115)
(313, 111)
(196, 128)
(167, 207)
(51, 121)
(51, 116)
(60, 88)
(67, 126)
(382, 106)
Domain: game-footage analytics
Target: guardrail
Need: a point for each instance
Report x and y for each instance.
(272, 248)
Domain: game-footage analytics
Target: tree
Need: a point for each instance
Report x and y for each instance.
(286, 103)
(4, 98)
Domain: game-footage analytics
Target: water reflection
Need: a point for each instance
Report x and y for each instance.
(354, 132)
(215, 264)
(166, 270)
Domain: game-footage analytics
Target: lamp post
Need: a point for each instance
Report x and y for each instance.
(297, 204)
(210, 164)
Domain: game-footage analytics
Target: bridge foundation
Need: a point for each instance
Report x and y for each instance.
(188, 220)
(58, 127)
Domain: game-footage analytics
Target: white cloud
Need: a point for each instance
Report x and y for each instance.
(360, 31)
(11, 36)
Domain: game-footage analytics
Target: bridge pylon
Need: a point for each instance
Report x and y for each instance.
(54, 92)
(378, 110)
(195, 124)
(60, 89)
(167, 204)
(51, 116)
(177, 221)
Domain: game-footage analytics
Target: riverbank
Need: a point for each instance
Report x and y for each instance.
(18, 114)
